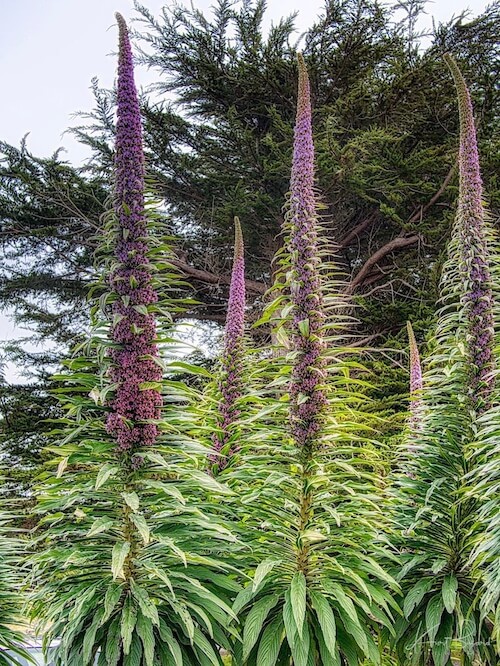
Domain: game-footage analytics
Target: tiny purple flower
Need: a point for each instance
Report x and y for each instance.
(306, 390)
(474, 259)
(231, 381)
(137, 400)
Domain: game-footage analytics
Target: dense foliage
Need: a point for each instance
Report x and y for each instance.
(257, 512)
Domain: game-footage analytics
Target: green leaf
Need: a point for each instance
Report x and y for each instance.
(415, 595)
(132, 500)
(186, 621)
(191, 369)
(144, 628)
(134, 656)
(113, 594)
(113, 643)
(326, 621)
(150, 386)
(148, 608)
(118, 557)
(304, 328)
(167, 637)
(288, 620)
(104, 473)
(449, 591)
(270, 643)
(129, 616)
(255, 620)
(99, 525)
(89, 647)
(345, 602)
(201, 642)
(468, 635)
(433, 614)
(298, 599)
(301, 647)
(261, 572)
(142, 527)
(61, 467)
(243, 598)
(442, 643)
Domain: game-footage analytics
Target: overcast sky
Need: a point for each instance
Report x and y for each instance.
(51, 49)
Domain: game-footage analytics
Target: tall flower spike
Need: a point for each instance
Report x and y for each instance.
(415, 381)
(474, 259)
(135, 406)
(308, 398)
(231, 382)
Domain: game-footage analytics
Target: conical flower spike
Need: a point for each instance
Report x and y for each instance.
(135, 403)
(308, 398)
(231, 383)
(415, 381)
(474, 251)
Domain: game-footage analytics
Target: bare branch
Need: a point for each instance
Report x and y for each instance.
(207, 277)
(423, 209)
(356, 231)
(394, 244)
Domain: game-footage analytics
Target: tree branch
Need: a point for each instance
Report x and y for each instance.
(207, 277)
(356, 231)
(400, 241)
(423, 209)
(395, 244)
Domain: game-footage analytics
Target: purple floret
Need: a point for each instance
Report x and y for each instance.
(134, 328)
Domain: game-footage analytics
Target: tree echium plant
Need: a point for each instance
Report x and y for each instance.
(415, 381)
(437, 509)
(306, 471)
(231, 380)
(126, 566)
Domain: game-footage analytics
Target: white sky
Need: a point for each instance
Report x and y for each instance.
(51, 49)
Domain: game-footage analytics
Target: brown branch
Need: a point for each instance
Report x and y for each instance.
(395, 244)
(358, 229)
(207, 277)
(423, 209)
(400, 241)
(220, 318)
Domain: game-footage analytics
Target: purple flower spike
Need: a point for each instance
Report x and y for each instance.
(416, 384)
(474, 260)
(307, 394)
(137, 400)
(231, 382)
